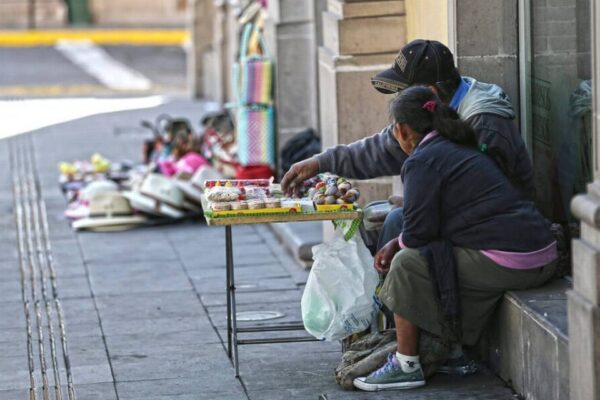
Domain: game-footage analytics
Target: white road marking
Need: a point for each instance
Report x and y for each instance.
(99, 64)
(20, 116)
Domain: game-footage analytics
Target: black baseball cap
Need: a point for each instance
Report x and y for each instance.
(419, 62)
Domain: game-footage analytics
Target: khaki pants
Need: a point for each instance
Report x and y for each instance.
(408, 290)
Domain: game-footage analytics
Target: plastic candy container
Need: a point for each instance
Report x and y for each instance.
(272, 203)
(220, 206)
(256, 204)
(220, 194)
(239, 205)
(239, 183)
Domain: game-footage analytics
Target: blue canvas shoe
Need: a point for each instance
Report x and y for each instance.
(390, 377)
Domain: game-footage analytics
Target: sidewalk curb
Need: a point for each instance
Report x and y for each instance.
(139, 37)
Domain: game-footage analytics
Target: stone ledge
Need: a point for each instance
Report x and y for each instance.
(345, 9)
(528, 342)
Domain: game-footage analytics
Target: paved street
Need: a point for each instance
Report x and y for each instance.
(46, 71)
(144, 310)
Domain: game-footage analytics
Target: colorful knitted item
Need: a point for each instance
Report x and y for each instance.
(254, 78)
(257, 81)
(256, 135)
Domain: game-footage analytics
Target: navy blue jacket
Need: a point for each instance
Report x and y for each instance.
(458, 194)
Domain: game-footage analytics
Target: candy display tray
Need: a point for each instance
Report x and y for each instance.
(334, 207)
(260, 211)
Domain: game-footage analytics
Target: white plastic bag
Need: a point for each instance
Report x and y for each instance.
(338, 300)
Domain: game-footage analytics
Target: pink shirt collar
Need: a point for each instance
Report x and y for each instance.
(429, 136)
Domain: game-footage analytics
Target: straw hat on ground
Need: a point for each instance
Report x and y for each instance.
(159, 195)
(109, 211)
(80, 208)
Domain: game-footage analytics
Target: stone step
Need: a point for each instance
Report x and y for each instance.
(299, 238)
(529, 344)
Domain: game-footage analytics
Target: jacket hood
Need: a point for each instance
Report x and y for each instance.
(485, 98)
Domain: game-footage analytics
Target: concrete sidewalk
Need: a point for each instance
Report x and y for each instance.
(144, 310)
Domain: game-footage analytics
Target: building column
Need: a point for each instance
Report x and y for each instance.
(231, 45)
(360, 39)
(584, 299)
(290, 33)
(213, 59)
(201, 24)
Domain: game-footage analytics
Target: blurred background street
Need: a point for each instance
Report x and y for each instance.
(66, 70)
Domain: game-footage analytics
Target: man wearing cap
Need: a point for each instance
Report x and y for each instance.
(484, 106)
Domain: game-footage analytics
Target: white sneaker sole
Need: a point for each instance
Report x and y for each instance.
(376, 387)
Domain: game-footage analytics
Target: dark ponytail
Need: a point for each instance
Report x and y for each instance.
(447, 122)
(423, 111)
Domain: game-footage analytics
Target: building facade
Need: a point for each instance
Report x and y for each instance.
(543, 53)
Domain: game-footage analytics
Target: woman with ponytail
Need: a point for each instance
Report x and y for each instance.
(469, 235)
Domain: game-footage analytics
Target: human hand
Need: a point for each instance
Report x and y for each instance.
(299, 172)
(396, 201)
(383, 258)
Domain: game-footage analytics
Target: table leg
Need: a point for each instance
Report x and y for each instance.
(232, 339)
(229, 267)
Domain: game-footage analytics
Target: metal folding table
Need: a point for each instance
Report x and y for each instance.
(232, 329)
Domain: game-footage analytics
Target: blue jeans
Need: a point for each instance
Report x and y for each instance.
(392, 227)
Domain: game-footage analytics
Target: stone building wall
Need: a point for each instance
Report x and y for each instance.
(487, 43)
(139, 12)
(15, 14)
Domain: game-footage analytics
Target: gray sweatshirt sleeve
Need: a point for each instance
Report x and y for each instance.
(371, 157)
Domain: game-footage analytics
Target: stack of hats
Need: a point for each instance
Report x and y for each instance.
(101, 206)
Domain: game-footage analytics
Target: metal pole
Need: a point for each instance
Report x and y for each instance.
(229, 268)
(236, 363)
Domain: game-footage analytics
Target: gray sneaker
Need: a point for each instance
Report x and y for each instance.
(390, 377)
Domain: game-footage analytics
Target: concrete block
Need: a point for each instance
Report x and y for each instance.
(588, 233)
(371, 35)
(584, 323)
(563, 373)
(350, 108)
(586, 271)
(294, 49)
(584, 39)
(212, 77)
(201, 29)
(528, 341)
(507, 351)
(320, 8)
(541, 362)
(487, 28)
(231, 49)
(299, 238)
(500, 70)
(344, 119)
(286, 11)
(374, 189)
(555, 28)
(345, 9)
